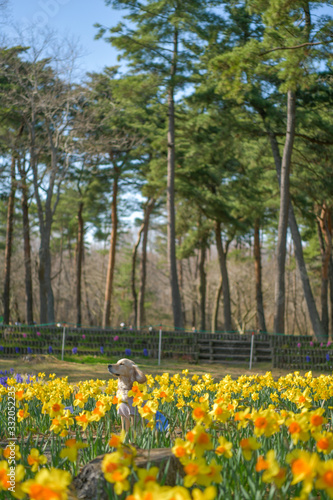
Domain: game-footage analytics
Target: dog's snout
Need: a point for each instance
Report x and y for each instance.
(109, 367)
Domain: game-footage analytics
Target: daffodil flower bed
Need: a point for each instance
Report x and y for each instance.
(250, 438)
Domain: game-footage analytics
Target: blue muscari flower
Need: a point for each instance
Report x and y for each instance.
(145, 352)
(101, 349)
(308, 359)
(162, 422)
(327, 357)
(1, 347)
(17, 350)
(29, 350)
(3, 381)
(12, 370)
(74, 350)
(128, 352)
(50, 349)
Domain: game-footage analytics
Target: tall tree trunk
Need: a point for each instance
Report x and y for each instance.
(90, 318)
(112, 252)
(261, 324)
(79, 257)
(325, 239)
(181, 286)
(49, 211)
(27, 247)
(283, 216)
(216, 305)
(202, 285)
(143, 268)
(42, 253)
(299, 255)
(8, 248)
(134, 293)
(331, 293)
(225, 278)
(175, 294)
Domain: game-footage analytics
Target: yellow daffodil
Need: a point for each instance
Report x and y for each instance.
(298, 428)
(146, 476)
(316, 419)
(224, 447)
(201, 413)
(304, 468)
(55, 409)
(200, 440)
(71, 450)
(48, 484)
(248, 445)
(117, 441)
(23, 413)
(80, 400)
(6, 453)
(11, 482)
(265, 423)
(324, 442)
(273, 473)
(35, 459)
(209, 493)
(83, 419)
(195, 472)
(325, 477)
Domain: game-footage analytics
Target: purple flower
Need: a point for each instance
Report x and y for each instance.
(329, 343)
(17, 350)
(50, 349)
(299, 344)
(101, 349)
(1, 347)
(74, 350)
(327, 357)
(29, 350)
(128, 352)
(145, 352)
(25, 335)
(38, 333)
(311, 343)
(83, 336)
(308, 359)
(116, 337)
(321, 344)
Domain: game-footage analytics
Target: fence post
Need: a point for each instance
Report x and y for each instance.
(159, 345)
(63, 343)
(251, 353)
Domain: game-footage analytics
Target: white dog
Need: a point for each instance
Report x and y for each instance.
(127, 373)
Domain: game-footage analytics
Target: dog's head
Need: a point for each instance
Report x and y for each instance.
(127, 369)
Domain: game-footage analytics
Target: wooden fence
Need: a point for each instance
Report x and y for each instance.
(280, 350)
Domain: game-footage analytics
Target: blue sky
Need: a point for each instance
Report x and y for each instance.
(73, 18)
(76, 19)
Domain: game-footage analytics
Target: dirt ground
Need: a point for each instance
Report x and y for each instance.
(80, 371)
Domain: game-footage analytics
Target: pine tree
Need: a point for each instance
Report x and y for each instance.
(160, 38)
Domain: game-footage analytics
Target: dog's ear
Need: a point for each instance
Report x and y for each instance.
(138, 375)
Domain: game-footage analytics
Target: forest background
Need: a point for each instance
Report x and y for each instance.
(190, 187)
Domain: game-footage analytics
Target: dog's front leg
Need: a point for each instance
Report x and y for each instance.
(125, 424)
